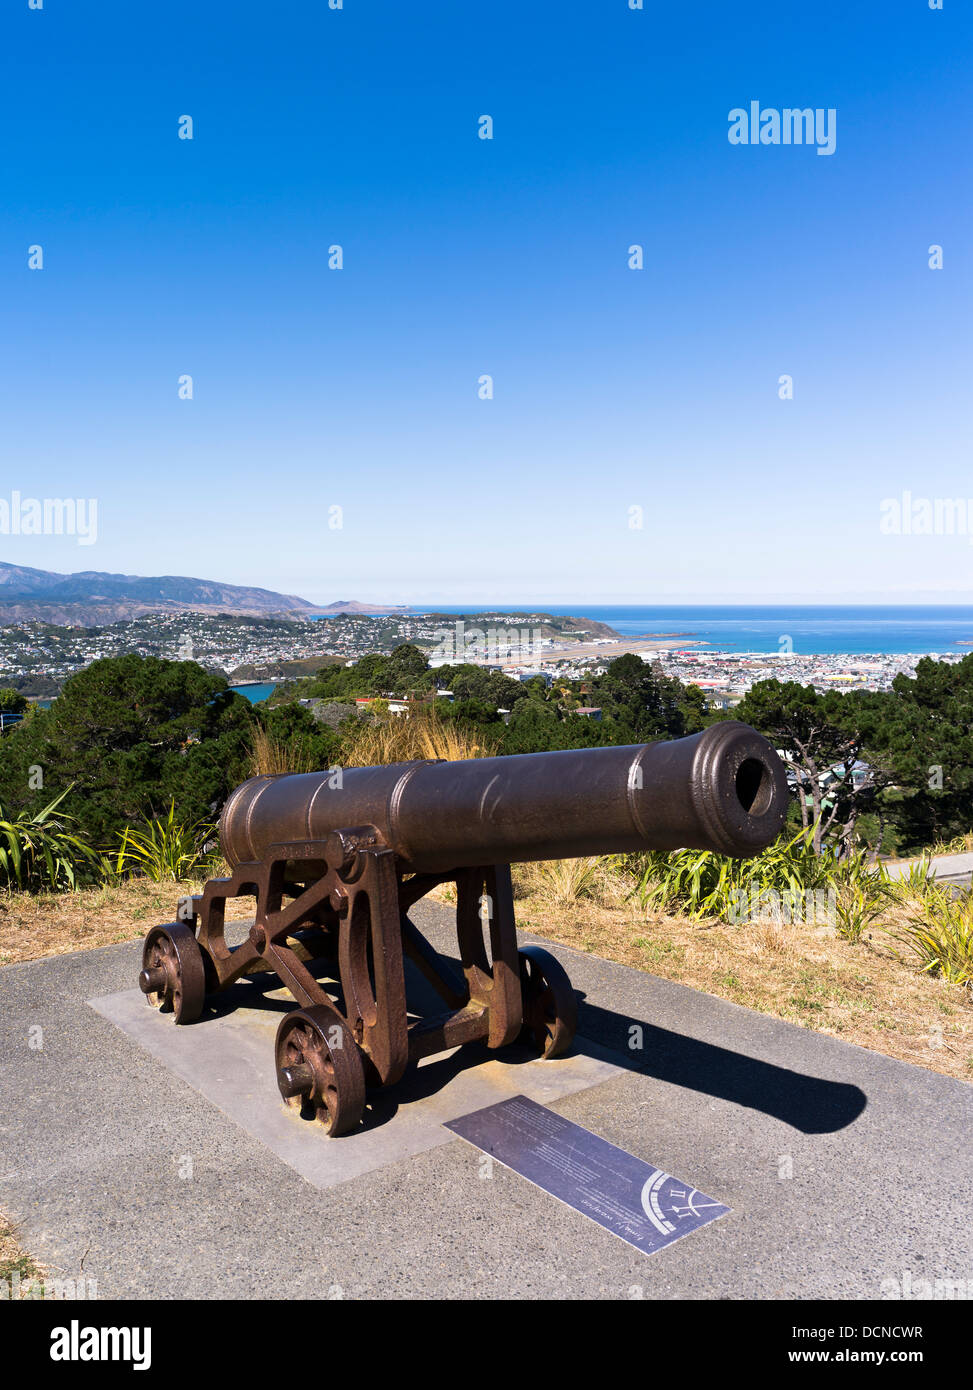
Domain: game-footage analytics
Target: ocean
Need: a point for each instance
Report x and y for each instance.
(254, 692)
(814, 630)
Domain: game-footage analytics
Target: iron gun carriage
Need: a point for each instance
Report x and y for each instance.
(336, 860)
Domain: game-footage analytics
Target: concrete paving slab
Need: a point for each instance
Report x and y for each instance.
(845, 1171)
(229, 1058)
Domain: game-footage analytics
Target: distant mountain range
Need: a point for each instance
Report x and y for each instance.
(94, 599)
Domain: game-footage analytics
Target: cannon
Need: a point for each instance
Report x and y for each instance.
(336, 860)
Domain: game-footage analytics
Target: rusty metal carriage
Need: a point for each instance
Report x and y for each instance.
(336, 860)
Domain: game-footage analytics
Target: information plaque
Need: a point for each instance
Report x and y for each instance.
(641, 1204)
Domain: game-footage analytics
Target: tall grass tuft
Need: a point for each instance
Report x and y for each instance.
(919, 879)
(565, 881)
(422, 733)
(863, 894)
(270, 756)
(940, 934)
(39, 853)
(162, 850)
(959, 844)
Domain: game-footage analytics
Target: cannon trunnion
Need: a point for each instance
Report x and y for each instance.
(336, 860)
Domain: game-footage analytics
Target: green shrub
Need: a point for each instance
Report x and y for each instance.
(917, 882)
(699, 883)
(788, 880)
(39, 853)
(863, 893)
(941, 935)
(167, 849)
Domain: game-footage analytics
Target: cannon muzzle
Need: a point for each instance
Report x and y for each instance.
(723, 790)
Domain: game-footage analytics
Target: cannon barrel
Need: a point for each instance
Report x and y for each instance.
(723, 789)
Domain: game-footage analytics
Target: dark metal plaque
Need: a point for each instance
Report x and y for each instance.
(641, 1204)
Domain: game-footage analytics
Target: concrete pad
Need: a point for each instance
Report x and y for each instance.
(846, 1172)
(229, 1058)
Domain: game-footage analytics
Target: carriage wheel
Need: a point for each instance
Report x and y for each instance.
(319, 1067)
(173, 976)
(550, 1004)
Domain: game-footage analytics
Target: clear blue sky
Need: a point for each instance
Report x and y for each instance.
(614, 388)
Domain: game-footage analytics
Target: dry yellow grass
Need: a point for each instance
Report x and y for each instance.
(271, 756)
(420, 734)
(867, 993)
(51, 924)
(423, 733)
(959, 844)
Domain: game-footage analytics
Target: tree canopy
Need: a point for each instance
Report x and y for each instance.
(12, 702)
(127, 735)
(912, 747)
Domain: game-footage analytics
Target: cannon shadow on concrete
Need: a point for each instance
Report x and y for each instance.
(810, 1104)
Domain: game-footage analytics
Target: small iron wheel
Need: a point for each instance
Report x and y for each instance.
(319, 1067)
(550, 1004)
(173, 977)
